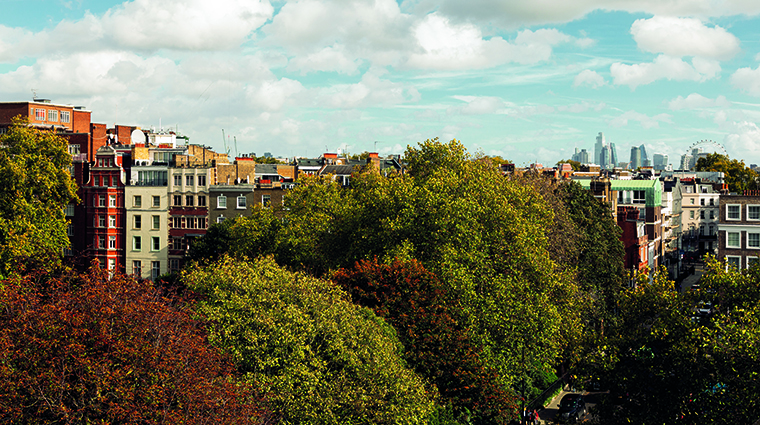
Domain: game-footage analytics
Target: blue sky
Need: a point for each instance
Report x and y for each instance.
(529, 81)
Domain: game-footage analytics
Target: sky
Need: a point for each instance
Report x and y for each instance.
(529, 81)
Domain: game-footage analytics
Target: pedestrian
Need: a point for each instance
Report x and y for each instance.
(536, 418)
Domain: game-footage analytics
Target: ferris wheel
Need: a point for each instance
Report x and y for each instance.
(709, 144)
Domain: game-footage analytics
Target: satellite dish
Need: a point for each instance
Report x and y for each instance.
(138, 137)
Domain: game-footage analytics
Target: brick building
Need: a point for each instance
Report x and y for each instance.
(739, 229)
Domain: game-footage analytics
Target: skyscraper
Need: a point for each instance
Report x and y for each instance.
(659, 161)
(644, 157)
(635, 157)
(598, 149)
(613, 156)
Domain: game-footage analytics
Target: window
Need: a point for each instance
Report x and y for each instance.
(753, 212)
(112, 200)
(111, 221)
(702, 201)
(241, 202)
(177, 180)
(112, 242)
(156, 222)
(201, 201)
(136, 243)
(189, 180)
(70, 230)
(73, 149)
(691, 214)
(753, 240)
(52, 115)
(101, 242)
(189, 200)
(155, 243)
(177, 222)
(137, 221)
(102, 201)
(111, 263)
(137, 268)
(704, 189)
(155, 269)
(712, 230)
(701, 230)
(702, 215)
(101, 221)
(220, 219)
(39, 114)
(266, 200)
(733, 261)
(202, 181)
(752, 261)
(156, 202)
(177, 244)
(174, 264)
(137, 201)
(221, 202)
(65, 116)
(638, 196)
(712, 201)
(732, 240)
(190, 222)
(692, 201)
(712, 215)
(177, 200)
(733, 212)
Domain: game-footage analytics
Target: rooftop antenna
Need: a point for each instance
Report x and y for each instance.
(236, 150)
(376, 142)
(34, 94)
(224, 140)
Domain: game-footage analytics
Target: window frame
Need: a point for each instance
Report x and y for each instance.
(738, 211)
(111, 242)
(738, 239)
(137, 268)
(136, 243)
(757, 245)
(156, 201)
(221, 202)
(155, 222)
(729, 259)
(137, 201)
(749, 215)
(155, 243)
(238, 202)
(137, 221)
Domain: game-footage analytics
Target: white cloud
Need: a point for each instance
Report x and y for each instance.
(663, 67)
(185, 24)
(329, 59)
(578, 108)
(646, 121)
(684, 37)
(516, 14)
(744, 139)
(589, 78)
(447, 46)
(371, 91)
(748, 80)
(273, 95)
(697, 101)
(480, 105)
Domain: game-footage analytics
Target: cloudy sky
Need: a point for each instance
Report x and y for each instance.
(527, 80)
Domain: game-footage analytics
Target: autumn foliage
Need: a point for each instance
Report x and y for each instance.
(414, 302)
(108, 349)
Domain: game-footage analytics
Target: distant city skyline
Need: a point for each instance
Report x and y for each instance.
(526, 81)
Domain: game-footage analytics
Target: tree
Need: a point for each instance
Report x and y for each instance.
(738, 176)
(101, 348)
(35, 186)
(575, 164)
(413, 301)
(318, 358)
(685, 367)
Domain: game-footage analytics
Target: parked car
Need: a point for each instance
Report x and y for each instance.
(571, 408)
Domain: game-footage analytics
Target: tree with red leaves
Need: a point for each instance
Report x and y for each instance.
(413, 301)
(97, 348)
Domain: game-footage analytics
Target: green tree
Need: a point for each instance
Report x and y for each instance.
(35, 187)
(575, 164)
(318, 358)
(413, 301)
(684, 366)
(103, 348)
(486, 237)
(738, 176)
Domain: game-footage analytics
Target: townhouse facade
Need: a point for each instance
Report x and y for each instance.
(739, 229)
